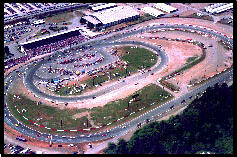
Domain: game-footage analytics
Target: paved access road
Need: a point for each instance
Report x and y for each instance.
(119, 130)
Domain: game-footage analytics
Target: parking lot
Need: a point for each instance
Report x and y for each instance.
(16, 149)
(64, 65)
(16, 11)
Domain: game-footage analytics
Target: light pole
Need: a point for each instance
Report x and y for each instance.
(125, 67)
(50, 141)
(87, 123)
(93, 78)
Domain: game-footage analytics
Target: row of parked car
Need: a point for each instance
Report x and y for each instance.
(13, 33)
(8, 8)
(36, 9)
(18, 149)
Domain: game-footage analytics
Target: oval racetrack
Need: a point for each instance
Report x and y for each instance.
(118, 130)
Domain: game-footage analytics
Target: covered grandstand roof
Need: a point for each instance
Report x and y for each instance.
(49, 36)
(115, 14)
(152, 11)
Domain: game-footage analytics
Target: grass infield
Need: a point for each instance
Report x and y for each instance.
(52, 116)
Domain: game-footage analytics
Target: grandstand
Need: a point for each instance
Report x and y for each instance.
(110, 17)
(152, 11)
(49, 39)
(164, 7)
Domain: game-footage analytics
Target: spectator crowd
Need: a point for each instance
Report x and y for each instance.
(52, 47)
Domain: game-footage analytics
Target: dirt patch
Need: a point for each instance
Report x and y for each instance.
(116, 27)
(186, 11)
(82, 114)
(228, 30)
(178, 52)
(79, 115)
(120, 50)
(59, 18)
(199, 5)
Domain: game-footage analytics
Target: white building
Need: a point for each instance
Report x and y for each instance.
(152, 11)
(222, 8)
(103, 6)
(110, 17)
(164, 7)
(213, 6)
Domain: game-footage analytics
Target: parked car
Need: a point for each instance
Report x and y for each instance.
(21, 139)
(16, 149)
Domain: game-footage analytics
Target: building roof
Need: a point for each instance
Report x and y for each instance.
(222, 8)
(213, 6)
(91, 19)
(165, 7)
(152, 11)
(107, 5)
(49, 36)
(115, 14)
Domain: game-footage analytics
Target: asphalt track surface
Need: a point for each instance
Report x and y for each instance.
(123, 128)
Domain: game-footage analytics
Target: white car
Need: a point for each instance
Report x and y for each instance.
(70, 145)
(25, 150)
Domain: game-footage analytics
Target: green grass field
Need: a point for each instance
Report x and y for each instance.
(51, 116)
(190, 59)
(120, 108)
(139, 57)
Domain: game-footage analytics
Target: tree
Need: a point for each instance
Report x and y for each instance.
(224, 145)
(197, 146)
(111, 148)
(121, 147)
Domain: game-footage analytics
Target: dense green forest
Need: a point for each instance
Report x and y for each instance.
(205, 125)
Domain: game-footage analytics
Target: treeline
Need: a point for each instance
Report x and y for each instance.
(205, 125)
